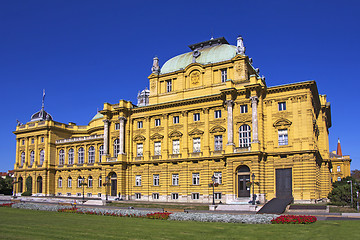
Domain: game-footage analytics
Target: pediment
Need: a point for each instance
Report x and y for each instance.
(217, 129)
(139, 138)
(282, 123)
(156, 136)
(174, 134)
(196, 132)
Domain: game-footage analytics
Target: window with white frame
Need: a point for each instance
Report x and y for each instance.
(174, 196)
(32, 158)
(90, 181)
(42, 139)
(61, 157)
(42, 157)
(23, 142)
(60, 182)
(217, 113)
(138, 180)
(217, 196)
(32, 141)
(116, 147)
(338, 169)
(68, 194)
(157, 122)
(176, 146)
(101, 152)
(78, 194)
(89, 194)
(71, 156)
(282, 106)
(223, 75)
(157, 148)
(137, 195)
(99, 194)
(69, 182)
(139, 149)
(218, 142)
(117, 126)
(81, 155)
(168, 86)
(195, 196)
(196, 178)
(22, 159)
(91, 157)
(243, 108)
(156, 179)
(339, 179)
(175, 179)
(100, 181)
(176, 119)
(155, 196)
(79, 181)
(196, 117)
(140, 124)
(196, 144)
(218, 177)
(283, 137)
(244, 136)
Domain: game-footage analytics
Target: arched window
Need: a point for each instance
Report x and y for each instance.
(81, 155)
(60, 182)
(91, 154)
(69, 182)
(79, 181)
(101, 152)
(22, 159)
(244, 136)
(32, 158)
(42, 157)
(90, 181)
(20, 182)
(116, 147)
(71, 156)
(61, 157)
(100, 181)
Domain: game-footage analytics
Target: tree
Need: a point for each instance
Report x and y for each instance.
(341, 192)
(356, 174)
(6, 185)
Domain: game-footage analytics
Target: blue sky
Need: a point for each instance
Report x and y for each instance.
(85, 53)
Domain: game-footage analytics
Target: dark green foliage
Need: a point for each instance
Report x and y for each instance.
(341, 192)
(6, 185)
(28, 184)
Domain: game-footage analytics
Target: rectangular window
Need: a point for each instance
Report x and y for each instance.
(283, 137)
(155, 196)
(117, 126)
(156, 179)
(196, 117)
(175, 179)
(157, 122)
(223, 75)
(217, 113)
(68, 194)
(100, 181)
(99, 194)
(137, 195)
(339, 179)
(157, 148)
(217, 196)
(139, 149)
(138, 180)
(168, 86)
(140, 124)
(176, 146)
(23, 142)
(69, 182)
(218, 177)
(282, 106)
(338, 168)
(60, 182)
(218, 142)
(195, 196)
(243, 108)
(32, 141)
(77, 194)
(196, 145)
(42, 139)
(196, 178)
(176, 119)
(89, 194)
(174, 196)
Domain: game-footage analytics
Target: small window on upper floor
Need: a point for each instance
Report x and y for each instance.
(32, 141)
(140, 124)
(217, 114)
(157, 122)
(282, 106)
(117, 126)
(338, 169)
(176, 119)
(168, 86)
(243, 108)
(196, 117)
(223, 75)
(23, 142)
(42, 139)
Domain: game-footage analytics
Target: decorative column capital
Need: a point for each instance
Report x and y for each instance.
(185, 113)
(106, 121)
(254, 99)
(122, 118)
(205, 110)
(229, 103)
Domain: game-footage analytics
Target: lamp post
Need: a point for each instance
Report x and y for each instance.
(253, 188)
(213, 185)
(357, 200)
(106, 184)
(351, 191)
(14, 188)
(83, 183)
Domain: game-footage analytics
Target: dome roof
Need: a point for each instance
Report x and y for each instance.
(97, 116)
(41, 116)
(208, 55)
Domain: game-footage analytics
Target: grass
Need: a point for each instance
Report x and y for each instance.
(159, 205)
(29, 224)
(340, 209)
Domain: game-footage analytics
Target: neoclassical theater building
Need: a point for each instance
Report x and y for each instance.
(207, 116)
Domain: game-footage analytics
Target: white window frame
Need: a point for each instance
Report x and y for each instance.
(81, 155)
(137, 195)
(116, 147)
(174, 196)
(139, 149)
(22, 159)
(61, 157)
(196, 144)
(32, 158)
(338, 168)
(244, 108)
(101, 152)
(168, 85)
(155, 196)
(156, 180)
(244, 136)
(339, 179)
(218, 140)
(157, 148)
(117, 126)
(79, 181)
(42, 157)
(100, 181)
(217, 114)
(71, 156)
(140, 124)
(175, 179)
(196, 179)
(176, 119)
(196, 117)
(138, 180)
(218, 177)
(69, 182)
(282, 106)
(60, 182)
(195, 196)
(91, 152)
(283, 137)
(90, 181)
(218, 195)
(176, 146)
(157, 122)
(223, 75)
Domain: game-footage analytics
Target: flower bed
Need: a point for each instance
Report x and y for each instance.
(158, 215)
(294, 219)
(6, 204)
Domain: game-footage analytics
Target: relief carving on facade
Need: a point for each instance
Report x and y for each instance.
(195, 78)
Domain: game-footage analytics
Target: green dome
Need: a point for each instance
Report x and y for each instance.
(214, 54)
(97, 116)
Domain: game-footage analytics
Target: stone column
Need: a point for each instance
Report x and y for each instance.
(254, 101)
(185, 149)
(165, 145)
(206, 151)
(122, 135)
(230, 128)
(106, 136)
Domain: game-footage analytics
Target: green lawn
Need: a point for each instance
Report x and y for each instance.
(28, 224)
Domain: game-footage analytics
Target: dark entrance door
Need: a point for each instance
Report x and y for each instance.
(39, 184)
(243, 191)
(284, 183)
(113, 184)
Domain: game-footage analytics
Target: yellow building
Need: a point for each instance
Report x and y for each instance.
(340, 164)
(207, 113)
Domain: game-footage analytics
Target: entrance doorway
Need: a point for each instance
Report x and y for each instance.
(113, 179)
(243, 175)
(39, 184)
(284, 183)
